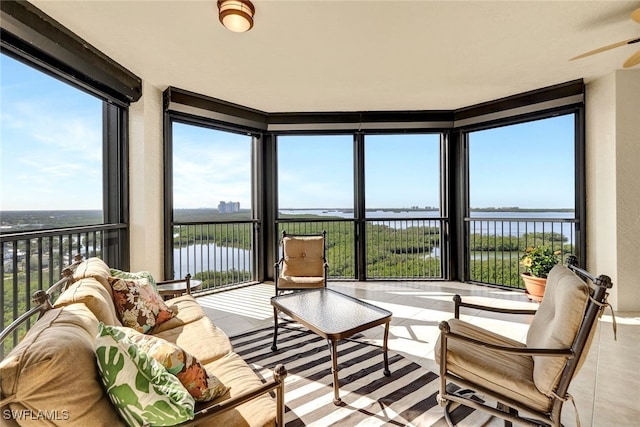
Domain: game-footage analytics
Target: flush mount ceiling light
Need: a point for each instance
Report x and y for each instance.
(236, 15)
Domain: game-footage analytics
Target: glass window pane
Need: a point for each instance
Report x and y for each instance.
(402, 172)
(527, 165)
(521, 194)
(51, 150)
(211, 174)
(316, 173)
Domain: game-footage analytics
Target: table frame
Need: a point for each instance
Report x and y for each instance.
(334, 336)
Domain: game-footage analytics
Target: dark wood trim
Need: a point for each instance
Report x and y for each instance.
(550, 93)
(28, 32)
(186, 103)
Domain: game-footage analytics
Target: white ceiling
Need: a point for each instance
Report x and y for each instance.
(355, 55)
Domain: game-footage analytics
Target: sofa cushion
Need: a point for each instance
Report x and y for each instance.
(201, 385)
(234, 372)
(201, 338)
(90, 292)
(186, 310)
(556, 324)
(138, 305)
(139, 387)
(53, 368)
(95, 268)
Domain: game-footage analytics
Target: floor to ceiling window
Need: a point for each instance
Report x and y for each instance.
(522, 181)
(55, 182)
(212, 227)
(449, 195)
(316, 193)
(403, 206)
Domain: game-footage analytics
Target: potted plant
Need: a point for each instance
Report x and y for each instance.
(538, 262)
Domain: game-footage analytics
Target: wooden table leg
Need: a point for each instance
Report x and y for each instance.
(334, 368)
(274, 346)
(387, 372)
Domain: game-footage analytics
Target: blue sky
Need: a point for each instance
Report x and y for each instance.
(526, 165)
(51, 142)
(51, 148)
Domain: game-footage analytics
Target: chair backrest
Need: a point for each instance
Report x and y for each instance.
(303, 255)
(556, 324)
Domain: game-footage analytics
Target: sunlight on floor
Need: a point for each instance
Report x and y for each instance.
(248, 301)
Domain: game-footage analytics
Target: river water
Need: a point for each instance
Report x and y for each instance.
(219, 258)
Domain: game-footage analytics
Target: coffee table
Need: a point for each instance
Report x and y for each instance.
(333, 316)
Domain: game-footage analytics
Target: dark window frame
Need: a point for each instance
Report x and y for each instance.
(171, 117)
(452, 125)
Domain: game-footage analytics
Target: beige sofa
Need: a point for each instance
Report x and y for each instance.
(51, 377)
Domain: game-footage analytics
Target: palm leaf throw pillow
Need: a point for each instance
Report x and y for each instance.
(200, 384)
(140, 388)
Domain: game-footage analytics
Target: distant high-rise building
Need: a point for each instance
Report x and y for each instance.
(228, 207)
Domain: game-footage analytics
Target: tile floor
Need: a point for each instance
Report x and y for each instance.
(605, 390)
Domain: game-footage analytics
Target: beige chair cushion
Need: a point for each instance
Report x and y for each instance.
(556, 324)
(95, 296)
(54, 368)
(95, 268)
(304, 282)
(303, 256)
(238, 376)
(505, 373)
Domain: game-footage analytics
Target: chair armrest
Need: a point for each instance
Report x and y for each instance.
(457, 301)
(446, 334)
(277, 383)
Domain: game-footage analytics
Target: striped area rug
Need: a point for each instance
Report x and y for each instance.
(407, 398)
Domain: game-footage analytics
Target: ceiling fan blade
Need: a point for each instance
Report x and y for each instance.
(632, 61)
(604, 48)
(635, 15)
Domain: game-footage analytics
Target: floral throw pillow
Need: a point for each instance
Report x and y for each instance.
(141, 390)
(134, 276)
(138, 304)
(193, 376)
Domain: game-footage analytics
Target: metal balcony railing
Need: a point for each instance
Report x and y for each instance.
(495, 245)
(404, 248)
(219, 254)
(395, 248)
(340, 242)
(34, 260)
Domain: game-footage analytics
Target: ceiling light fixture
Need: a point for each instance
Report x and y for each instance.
(236, 15)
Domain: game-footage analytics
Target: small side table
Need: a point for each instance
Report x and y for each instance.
(174, 288)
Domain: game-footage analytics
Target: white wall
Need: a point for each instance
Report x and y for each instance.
(613, 184)
(146, 198)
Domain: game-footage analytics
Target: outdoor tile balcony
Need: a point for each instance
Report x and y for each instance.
(601, 389)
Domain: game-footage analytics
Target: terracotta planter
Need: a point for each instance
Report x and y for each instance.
(534, 285)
